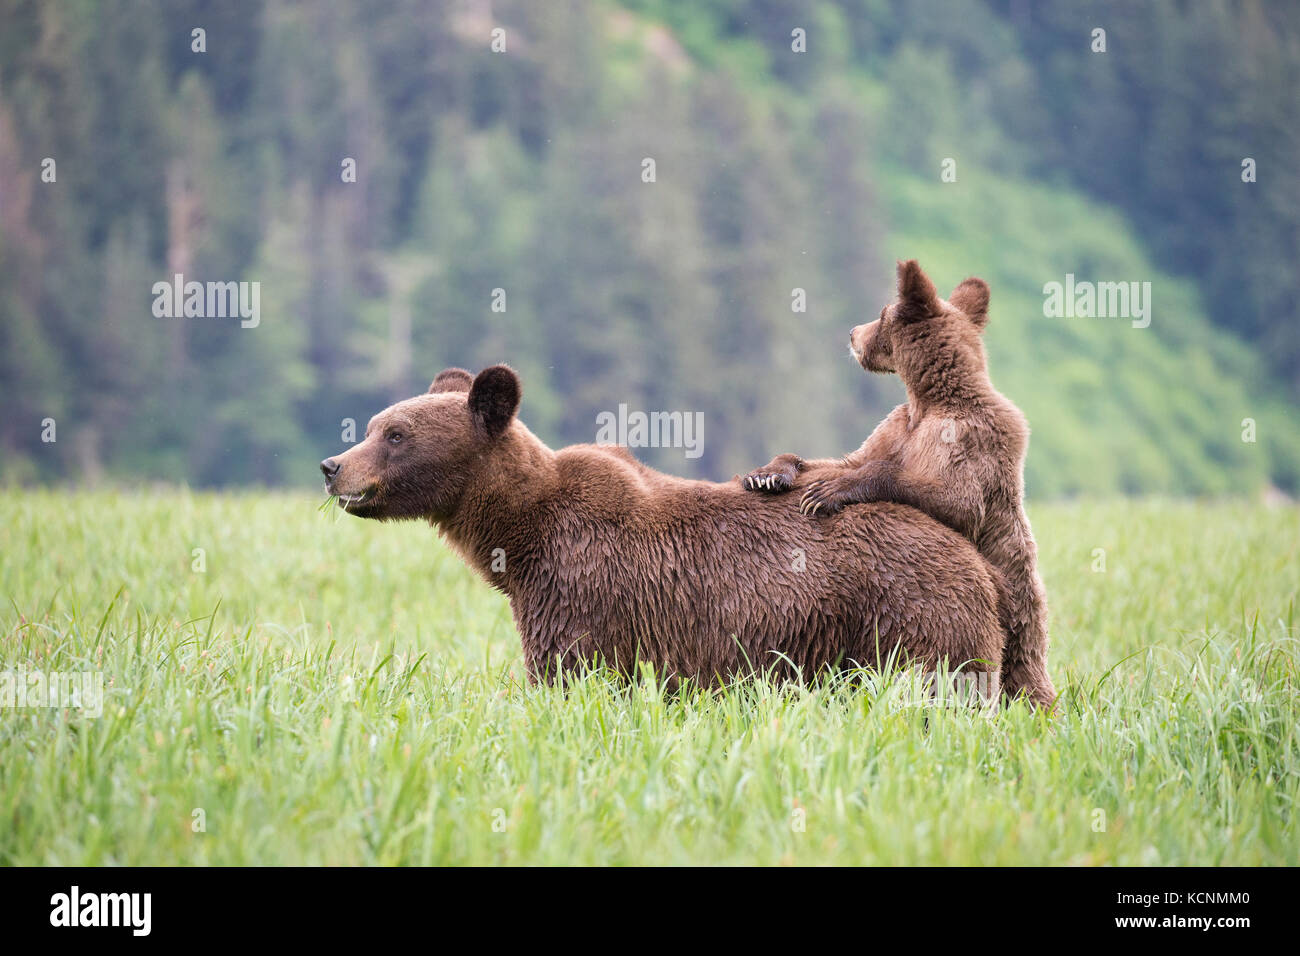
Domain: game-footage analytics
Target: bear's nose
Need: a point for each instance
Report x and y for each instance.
(330, 467)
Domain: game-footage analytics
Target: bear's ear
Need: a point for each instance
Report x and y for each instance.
(494, 399)
(972, 297)
(451, 380)
(917, 296)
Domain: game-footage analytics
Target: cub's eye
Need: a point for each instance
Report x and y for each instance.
(395, 438)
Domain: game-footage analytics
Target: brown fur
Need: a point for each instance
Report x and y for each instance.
(606, 559)
(955, 450)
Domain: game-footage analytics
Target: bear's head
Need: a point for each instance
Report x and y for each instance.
(921, 334)
(419, 455)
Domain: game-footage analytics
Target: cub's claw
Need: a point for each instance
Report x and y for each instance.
(819, 501)
(760, 481)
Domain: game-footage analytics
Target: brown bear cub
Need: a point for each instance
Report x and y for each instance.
(955, 450)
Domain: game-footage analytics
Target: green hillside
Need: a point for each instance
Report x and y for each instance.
(518, 178)
(1112, 407)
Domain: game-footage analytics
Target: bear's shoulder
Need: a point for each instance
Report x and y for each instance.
(606, 473)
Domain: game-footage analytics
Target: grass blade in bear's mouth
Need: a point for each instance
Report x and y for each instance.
(350, 500)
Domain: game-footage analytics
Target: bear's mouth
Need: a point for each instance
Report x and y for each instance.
(347, 501)
(351, 501)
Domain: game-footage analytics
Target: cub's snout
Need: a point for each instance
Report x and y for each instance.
(870, 346)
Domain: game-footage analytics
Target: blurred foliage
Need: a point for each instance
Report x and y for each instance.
(521, 171)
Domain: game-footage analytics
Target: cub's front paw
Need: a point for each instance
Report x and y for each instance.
(772, 482)
(826, 497)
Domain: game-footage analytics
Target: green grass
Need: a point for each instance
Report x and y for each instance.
(335, 691)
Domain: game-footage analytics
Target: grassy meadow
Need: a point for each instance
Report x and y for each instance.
(309, 688)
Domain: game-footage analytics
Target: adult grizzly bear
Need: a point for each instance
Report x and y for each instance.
(606, 559)
(955, 450)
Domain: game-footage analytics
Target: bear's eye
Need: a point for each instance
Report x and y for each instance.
(394, 438)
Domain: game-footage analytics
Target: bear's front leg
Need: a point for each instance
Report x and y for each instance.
(776, 476)
(826, 496)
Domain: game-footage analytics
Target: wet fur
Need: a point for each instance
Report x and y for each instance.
(604, 558)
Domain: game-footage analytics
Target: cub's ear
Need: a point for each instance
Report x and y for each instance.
(917, 296)
(451, 380)
(972, 297)
(494, 399)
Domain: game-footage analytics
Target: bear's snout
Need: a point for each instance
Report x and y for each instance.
(330, 468)
(858, 340)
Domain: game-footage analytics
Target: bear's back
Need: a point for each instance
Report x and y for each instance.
(645, 560)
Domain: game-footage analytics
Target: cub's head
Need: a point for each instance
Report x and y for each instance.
(419, 455)
(921, 329)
